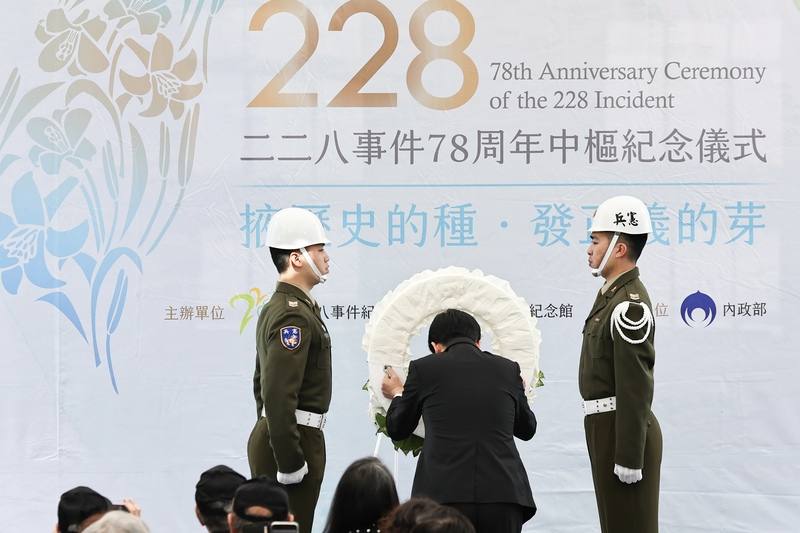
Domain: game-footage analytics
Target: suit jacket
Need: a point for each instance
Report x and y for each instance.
(473, 405)
(612, 366)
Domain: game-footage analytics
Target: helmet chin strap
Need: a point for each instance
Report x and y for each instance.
(597, 271)
(322, 278)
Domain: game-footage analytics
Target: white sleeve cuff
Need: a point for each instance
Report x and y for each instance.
(628, 475)
(293, 477)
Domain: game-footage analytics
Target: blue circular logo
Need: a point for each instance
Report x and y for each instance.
(697, 304)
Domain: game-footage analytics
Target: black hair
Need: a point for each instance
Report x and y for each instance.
(443, 520)
(242, 525)
(404, 517)
(216, 522)
(451, 324)
(365, 494)
(280, 258)
(635, 244)
(422, 515)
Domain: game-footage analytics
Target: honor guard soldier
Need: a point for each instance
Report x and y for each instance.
(292, 381)
(616, 373)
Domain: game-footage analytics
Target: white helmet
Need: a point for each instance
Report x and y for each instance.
(620, 214)
(294, 228)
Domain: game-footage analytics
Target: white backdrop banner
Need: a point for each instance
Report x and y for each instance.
(144, 146)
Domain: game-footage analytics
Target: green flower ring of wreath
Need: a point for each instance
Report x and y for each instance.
(405, 311)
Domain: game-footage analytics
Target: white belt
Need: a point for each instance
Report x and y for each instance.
(603, 405)
(305, 418)
(312, 420)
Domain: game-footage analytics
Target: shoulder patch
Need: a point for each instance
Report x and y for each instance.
(634, 296)
(292, 303)
(620, 322)
(291, 337)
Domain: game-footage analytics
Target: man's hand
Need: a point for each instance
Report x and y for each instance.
(628, 475)
(391, 386)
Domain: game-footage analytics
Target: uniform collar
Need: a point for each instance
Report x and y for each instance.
(621, 281)
(610, 282)
(295, 291)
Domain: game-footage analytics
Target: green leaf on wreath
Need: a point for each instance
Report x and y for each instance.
(412, 444)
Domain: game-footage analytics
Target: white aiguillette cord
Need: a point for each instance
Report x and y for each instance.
(620, 320)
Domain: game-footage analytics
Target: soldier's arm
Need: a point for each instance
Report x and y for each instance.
(257, 387)
(634, 356)
(282, 370)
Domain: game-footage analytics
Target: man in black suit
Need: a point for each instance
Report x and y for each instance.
(473, 404)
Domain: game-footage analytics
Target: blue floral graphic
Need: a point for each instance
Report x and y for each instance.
(28, 236)
(61, 139)
(122, 175)
(150, 14)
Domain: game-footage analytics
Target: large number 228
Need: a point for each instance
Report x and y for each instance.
(350, 95)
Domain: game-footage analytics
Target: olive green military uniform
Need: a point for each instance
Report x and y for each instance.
(293, 371)
(629, 436)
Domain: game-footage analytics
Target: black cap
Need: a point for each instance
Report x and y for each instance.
(215, 489)
(261, 491)
(78, 504)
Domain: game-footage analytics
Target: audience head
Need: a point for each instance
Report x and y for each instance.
(366, 493)
(421, 515)
(450, 325)
(80, 507)
(257, 503)
(118, 522)
(214, 495)
(404, 517)
(443, 520)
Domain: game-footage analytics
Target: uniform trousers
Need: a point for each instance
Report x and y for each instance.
(623, 508)
(494, 517)
(303, 496)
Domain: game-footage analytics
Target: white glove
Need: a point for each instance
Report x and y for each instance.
(626, 475)
(293, 477)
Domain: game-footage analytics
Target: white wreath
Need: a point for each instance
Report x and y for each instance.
(410, 307)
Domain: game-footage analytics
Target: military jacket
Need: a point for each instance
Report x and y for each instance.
(293, 369)
(621, 364)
